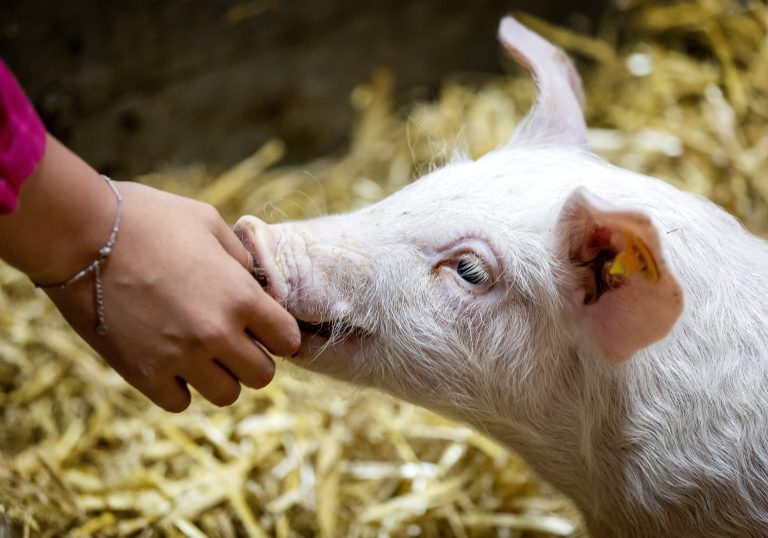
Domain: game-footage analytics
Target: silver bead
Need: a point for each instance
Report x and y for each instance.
(104, 252)
(101, 329)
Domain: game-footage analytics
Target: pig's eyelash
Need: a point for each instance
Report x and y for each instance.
(470, 268)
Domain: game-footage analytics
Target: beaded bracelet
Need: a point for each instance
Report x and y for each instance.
(95, 266)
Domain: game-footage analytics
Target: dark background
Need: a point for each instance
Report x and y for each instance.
(135, 86)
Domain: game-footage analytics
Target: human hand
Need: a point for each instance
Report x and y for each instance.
(180, 304)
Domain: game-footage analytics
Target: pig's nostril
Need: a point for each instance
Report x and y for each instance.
(260, 275)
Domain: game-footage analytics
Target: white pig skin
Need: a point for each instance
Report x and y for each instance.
(651, 415)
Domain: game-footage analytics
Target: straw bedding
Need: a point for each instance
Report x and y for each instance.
(677, 90)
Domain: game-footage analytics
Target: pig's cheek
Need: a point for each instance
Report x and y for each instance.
(476, 315)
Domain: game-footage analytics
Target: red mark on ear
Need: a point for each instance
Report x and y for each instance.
(630, 298)
(599, 239)
(596, 256)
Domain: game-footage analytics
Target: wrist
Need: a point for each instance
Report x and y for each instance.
(65, 214)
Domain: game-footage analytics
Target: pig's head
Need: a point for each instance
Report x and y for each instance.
(501, 272)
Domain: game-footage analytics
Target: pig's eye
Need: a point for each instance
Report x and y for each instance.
(471, 269)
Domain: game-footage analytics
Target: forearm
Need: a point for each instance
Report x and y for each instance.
(65, 213)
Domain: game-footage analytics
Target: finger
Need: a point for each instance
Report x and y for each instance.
(271, 324)
(214, 382)
(266, 320)
(233, 246)
(171, 394)
(248, 362)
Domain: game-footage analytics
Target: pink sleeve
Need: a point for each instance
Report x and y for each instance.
(22, 139)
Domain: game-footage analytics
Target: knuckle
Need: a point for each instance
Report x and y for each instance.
(141, 375)
(208, 212)
(244, 303)
(213, 333)
(155, 379)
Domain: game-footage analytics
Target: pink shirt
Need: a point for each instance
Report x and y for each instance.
(22, 139)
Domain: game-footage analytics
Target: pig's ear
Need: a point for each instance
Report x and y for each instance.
(622, 290)
(556, 115)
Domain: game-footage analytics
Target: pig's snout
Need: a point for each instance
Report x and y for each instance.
(315, 270)
(260, 241)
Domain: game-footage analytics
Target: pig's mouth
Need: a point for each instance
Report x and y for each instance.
(323, 329)
(338, 330)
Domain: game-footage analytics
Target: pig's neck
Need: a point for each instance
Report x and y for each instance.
(573, 435)
(551, 426)
(663, 443)
(547, 418)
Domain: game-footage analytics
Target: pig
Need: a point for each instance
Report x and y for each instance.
(605, 325)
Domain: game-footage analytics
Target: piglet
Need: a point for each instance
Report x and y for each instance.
(607, 326)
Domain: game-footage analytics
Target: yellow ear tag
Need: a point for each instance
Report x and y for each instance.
(636, 258)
